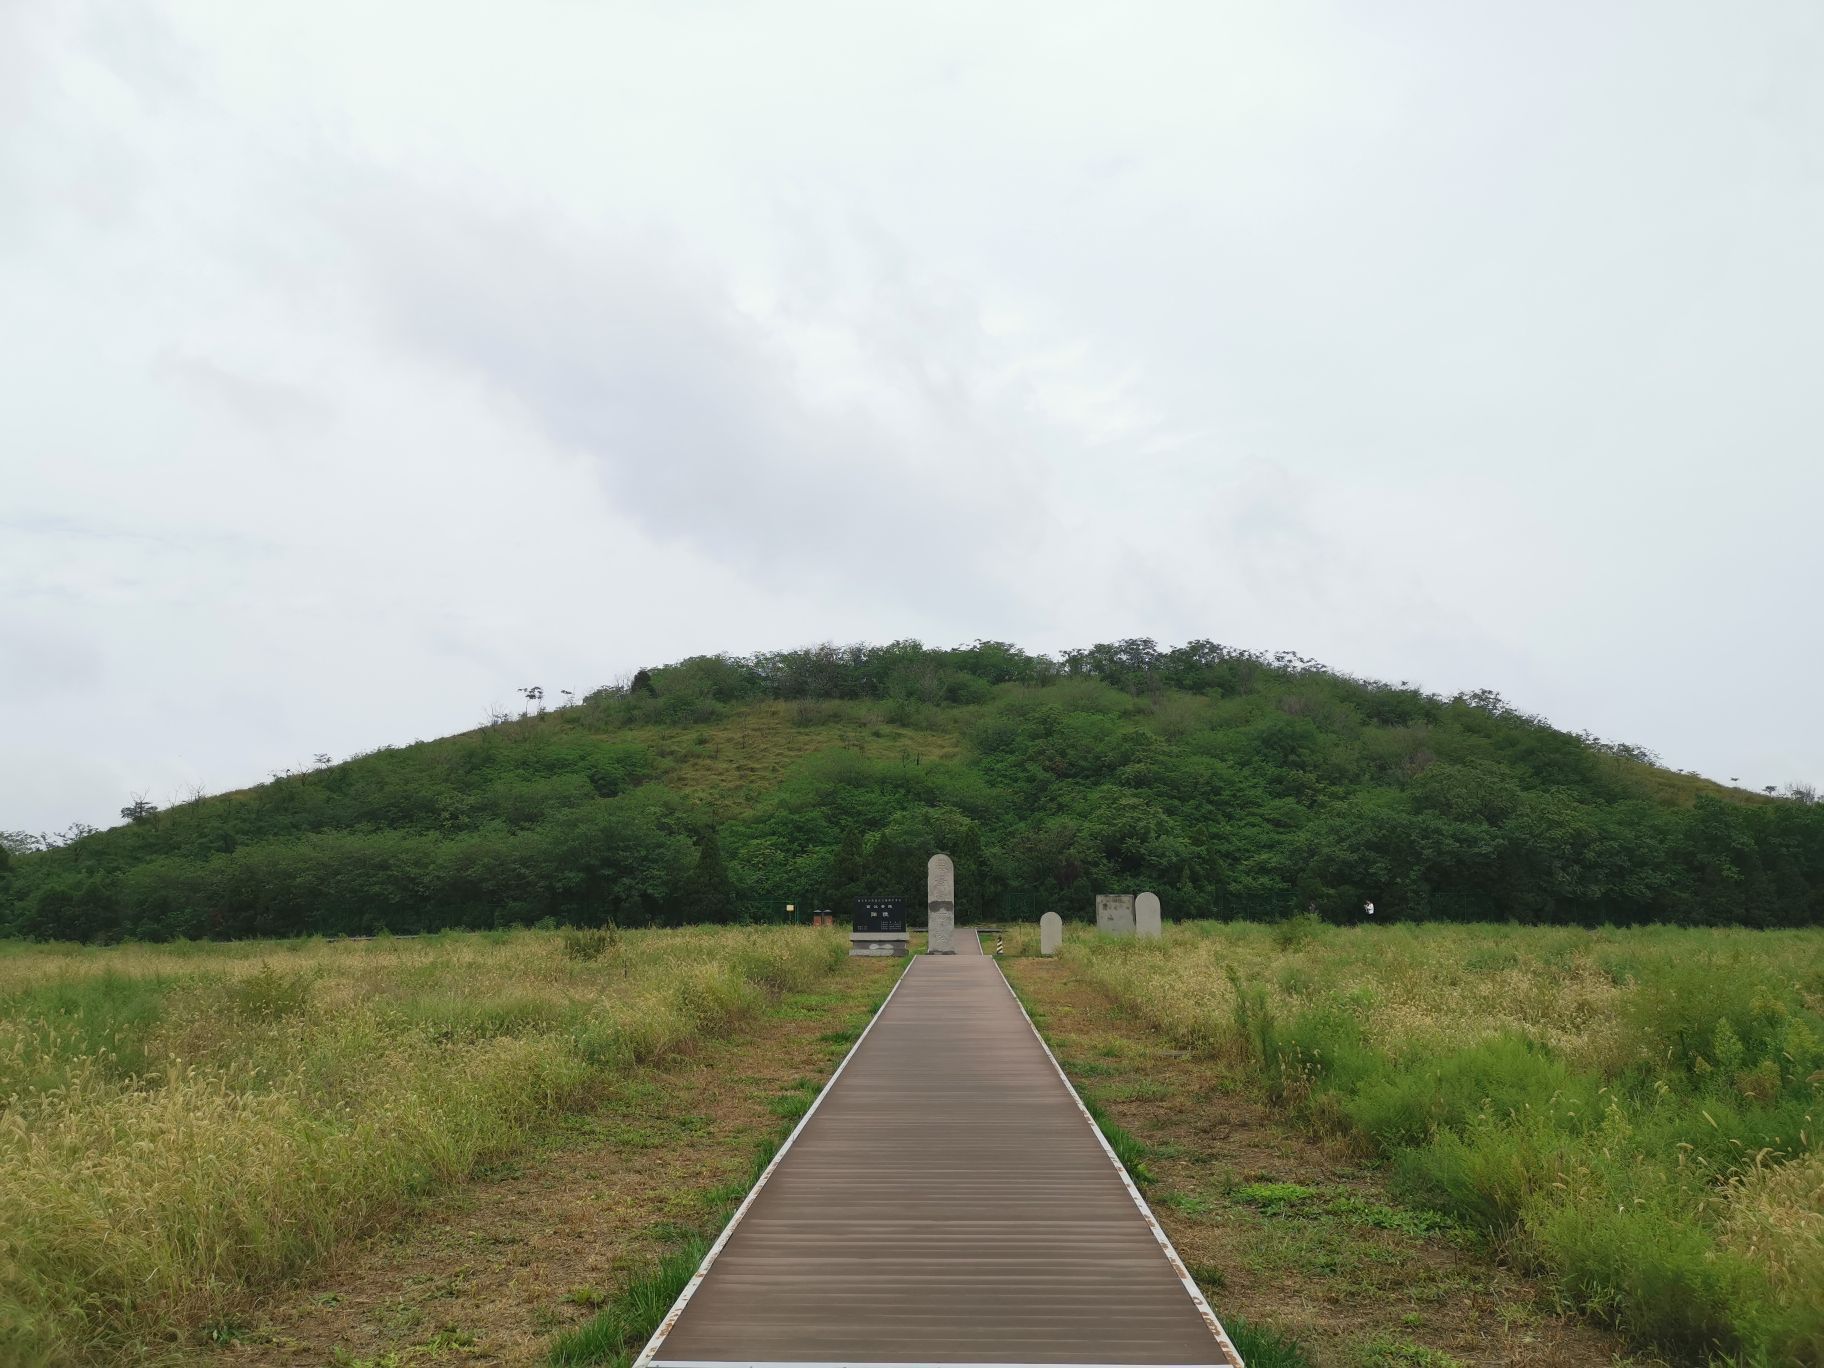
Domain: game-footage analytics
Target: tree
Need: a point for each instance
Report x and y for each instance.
(708, 894)
(139, 809)
(848, 875)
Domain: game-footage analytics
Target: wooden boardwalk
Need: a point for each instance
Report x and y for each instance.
(947, 1201)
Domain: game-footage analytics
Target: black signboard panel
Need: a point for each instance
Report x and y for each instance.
(880, 914)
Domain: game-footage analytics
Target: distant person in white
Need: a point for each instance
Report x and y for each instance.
(1368, 907)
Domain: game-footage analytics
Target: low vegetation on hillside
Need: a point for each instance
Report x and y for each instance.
(722, 789)
(1632, 1112)
(179, 1125)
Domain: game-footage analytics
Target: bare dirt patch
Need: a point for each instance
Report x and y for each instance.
(489, 1272)
(1288, 1231)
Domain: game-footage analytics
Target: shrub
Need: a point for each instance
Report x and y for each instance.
(1296, 932)
(1483, 1179)
(589, 945)
(269, 994)
(1653, 1273)
(1502, 1076)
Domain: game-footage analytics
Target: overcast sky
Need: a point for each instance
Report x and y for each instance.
(362, 363)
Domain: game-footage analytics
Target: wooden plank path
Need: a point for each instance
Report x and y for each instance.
(946, 1201)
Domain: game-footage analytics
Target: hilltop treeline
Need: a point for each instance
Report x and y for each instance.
(1232, 783)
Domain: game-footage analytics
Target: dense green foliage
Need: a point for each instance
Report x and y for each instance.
(1235, 785)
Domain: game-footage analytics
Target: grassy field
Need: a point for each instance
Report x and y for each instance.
(561, 1252)
(183, 1125)
(188, 1132)
(1298, 1240)
(1629, 1113)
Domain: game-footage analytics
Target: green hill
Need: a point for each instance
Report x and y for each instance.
(1233, 784)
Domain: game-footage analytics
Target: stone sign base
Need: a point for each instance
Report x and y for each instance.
(878, 943)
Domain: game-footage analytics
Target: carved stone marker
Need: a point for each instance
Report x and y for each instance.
(1051, 933)
(880, 927)
(1146, 917)
(1115, 914)
(940, 905)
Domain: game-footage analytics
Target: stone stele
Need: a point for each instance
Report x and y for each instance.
(940, 906)
(1146, 917)
(1115, 914)
(1051, 933)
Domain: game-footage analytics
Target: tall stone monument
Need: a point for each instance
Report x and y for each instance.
(1146, 917)
(940, 905)
(1115, 914)
(1051, 933)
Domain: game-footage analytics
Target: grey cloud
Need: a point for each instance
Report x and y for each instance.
(39, 659)
(1467, 344)
(263, 403)
(628, 352)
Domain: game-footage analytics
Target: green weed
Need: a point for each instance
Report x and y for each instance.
(616, 1332)
(1188, 1202)
(1273, 1196)
(1388, 1353)
(1128, 1149)
(1263, 1346)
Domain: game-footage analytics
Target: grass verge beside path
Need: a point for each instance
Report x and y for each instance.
(232, 1114)
(498, 1269)
(1305, 1254)
(1630, 1112)
(625, 1323)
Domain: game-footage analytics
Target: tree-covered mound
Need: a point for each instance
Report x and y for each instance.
(1231, 783)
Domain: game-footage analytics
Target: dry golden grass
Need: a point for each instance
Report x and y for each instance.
(1775, 1217)
(1406, 986)
(731, 762)
(1673, 786)
(180, 1124)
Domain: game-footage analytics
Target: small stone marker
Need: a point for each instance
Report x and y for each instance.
(1146, 917)
(940, 906)
(1051, 933)
(1115, 914)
